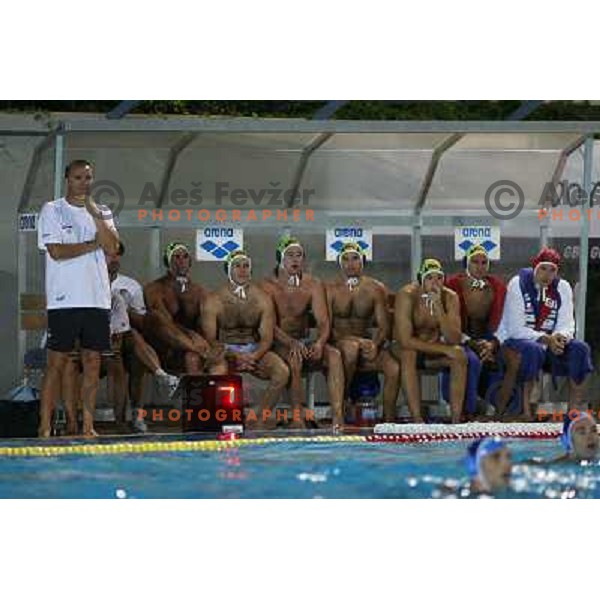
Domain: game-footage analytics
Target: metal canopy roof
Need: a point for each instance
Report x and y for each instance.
(412, 167)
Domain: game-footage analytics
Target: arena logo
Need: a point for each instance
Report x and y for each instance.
(337, 246)
(348, 232)
(219, 250)
(487, 244)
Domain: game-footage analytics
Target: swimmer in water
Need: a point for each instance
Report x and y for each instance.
(489, 465)
(579, 438)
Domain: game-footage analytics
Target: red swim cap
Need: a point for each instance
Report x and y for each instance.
(546, 255)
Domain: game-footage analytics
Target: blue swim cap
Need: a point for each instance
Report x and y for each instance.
(566, 438)
(478, 450)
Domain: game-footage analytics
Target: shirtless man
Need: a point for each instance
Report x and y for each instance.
(427, 326)
(355, 301)
(173, 322)
(296, 295)
(241, 316)
(481, 298)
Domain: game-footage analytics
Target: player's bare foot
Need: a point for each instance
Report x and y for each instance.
(338, 427)
(44, 432)
(338, 422)
(90, 433)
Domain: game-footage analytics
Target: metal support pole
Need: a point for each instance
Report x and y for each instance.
(21, 283)
(546, 224)
(155, 253)
(416, 250)
(59, 151)
(326, 112)
(584, 239)
(22, 245)
(119, 111)
(416, 246)
(544, 234)
(524, 110)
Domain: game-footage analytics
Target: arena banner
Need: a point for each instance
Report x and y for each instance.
(335, 238)
(487, 236)
(28, 221)
(215, 243)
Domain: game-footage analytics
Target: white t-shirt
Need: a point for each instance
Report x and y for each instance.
(127, 294)
(513, 324)
(80, 282)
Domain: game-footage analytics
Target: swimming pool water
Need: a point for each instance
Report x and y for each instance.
(291, 470)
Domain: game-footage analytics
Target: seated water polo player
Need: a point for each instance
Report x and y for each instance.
(538, 324)
(241, 316)
(132, 353)
(297, 296)
(489, 465)
(173, 323)
(481, 298)
(356, 303)
(428, 334)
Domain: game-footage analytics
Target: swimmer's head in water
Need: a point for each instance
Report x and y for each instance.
(579, 436)
(546, 265)
(489, 464)
(477, 262)
(290, 255)
(177, 259)
(431, 274)
(238, 266)
(352, 259)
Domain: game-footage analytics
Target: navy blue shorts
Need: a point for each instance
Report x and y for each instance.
(88, 326)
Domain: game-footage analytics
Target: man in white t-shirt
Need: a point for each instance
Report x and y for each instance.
(134, 354)
(538, 325)
(74, 232)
